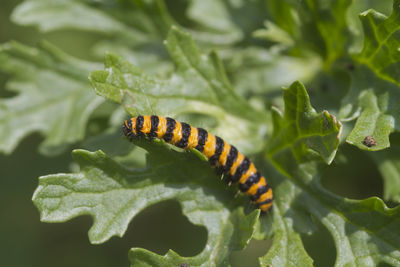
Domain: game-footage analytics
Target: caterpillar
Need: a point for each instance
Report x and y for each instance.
(229, 161)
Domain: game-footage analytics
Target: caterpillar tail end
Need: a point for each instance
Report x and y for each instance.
(265, 201)
(267, 207)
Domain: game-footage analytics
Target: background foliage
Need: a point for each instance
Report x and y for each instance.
(222, 67)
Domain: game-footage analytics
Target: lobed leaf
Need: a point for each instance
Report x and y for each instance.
(301, 129)
(287, 248)
(113, 194)
(365, 232)
(373, 122)
(374, 93)
(135, 29)
(52, 96)
(199, 86)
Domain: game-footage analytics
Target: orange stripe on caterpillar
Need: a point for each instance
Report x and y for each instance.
(233, 164)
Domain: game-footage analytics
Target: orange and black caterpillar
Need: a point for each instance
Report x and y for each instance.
(233, 164)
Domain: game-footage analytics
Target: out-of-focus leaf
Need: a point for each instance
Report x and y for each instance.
(284, 17)
(128, 21)
(113, 194)
(134, 29)
(259, 71)
(388, 162)
(53, 96)
(275, 34)
(214, 16)
(199, 86)
(375, 92)
(140, 24)
(318, 26)
(225, 22)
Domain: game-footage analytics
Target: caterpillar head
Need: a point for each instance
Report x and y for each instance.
(127, 129)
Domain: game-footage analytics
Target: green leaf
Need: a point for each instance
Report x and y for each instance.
(131, 20)
(215, 17)
(225, 22)
(113, 194)
(287, 249)
(199, 86)
(388, 162)
(275, 34)
(135, 29)
(373, 121)
(52, 96)
(365, 232)
(301, 129)
(137, 23)
(318, 26)
(375, 91)
(380, 51)
(260, 71)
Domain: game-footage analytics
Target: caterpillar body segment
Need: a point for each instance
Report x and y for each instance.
(229, 161)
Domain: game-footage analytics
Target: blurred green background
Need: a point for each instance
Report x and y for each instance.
(25, 241)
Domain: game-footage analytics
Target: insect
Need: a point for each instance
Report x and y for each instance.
(369, 141)
(229, 161)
